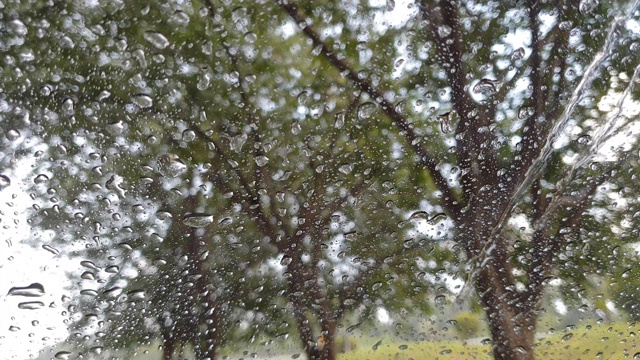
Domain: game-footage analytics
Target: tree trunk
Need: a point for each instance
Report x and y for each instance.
(511, 322)
(168, 344)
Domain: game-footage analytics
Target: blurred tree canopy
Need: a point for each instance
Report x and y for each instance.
(226, 172)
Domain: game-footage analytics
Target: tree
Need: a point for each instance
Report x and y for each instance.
(313, 129)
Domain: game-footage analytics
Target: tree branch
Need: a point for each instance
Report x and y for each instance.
(449, 200)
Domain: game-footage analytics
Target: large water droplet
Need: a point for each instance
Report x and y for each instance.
(518, 54)
(41, 179)
(445, 123)
(156, 39)
(31, 305)
(33, 290)
(64, 355)
(261, 160)
(286, 260)
(51, 249)
(116, 128)
(12, 135)
(143, 101)
(485, 87)
(366, 110)
(197, 220)
(237, 142)
(170, 166)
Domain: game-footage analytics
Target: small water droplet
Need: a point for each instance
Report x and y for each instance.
(88, 275)
(112, 292)
(366, 110)
(261, 160)
(376, 345)
(64, 355)
(89, 264)
(31, 305)
(567, 337)
(587, 6)
(51, 249)
(143, 101)
(170, 166)
(112, 269)
(116, 128)
(156, 39)
(346, 169)
(296, 128)
(525, 111)
(237, 142)
(197, 220)
(41, 179)
(518, 54)
(303, 97)
(4, 181)
(485, 87)
(33, 290)
(340, 117)
(286, 260)
(445, 123)
(584, 139)
(188, 135)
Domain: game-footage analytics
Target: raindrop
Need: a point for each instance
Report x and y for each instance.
(136, 294)
(587, 6)
(250, 37)
(143, 101)
(346, 169)
(340, 117)
(113, 292)
(485, 87)
(33, 290)
(303, 97)
(89, 264)
(163, 215)
(41, 179)
(112, 269)
(583, 139)
(261, 160)
(391, 4)
(376, 345)
(4, 181)
(296, 128)
(445, 123)
(525, 111)
(518, 54)
(156, 39)
(567, 337)
(12, 135)
(286, 260)
(366, 110)
(63, 355)
(51, 249)
(444, 31)
(170, 166)
(237, 142)
(89, 292)
(197, 220)
(13, 328)
(188, 135)
(31, 305)
(440, 299)
(116, 128)
(88, 275)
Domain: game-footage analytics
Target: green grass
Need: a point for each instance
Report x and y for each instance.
(601, 341)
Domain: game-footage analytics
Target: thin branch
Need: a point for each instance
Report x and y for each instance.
(449, 200)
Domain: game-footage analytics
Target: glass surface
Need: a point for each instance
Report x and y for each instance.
(288, 179)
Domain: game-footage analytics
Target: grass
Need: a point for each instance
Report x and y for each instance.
(596, 341)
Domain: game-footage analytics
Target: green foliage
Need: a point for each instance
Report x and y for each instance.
(467, 325)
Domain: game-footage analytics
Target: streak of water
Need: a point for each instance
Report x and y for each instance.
(539, 164)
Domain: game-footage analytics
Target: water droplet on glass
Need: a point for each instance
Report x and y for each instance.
(51, 249)
(163, 215)
(4, 181)
(188, 135)
(518, 54)
(12, 135)
(345, 169)
(567, 337)
(485, 87)
(303, 97)
(143, 101)
(444, 31)
(587, 6)
(237, 142)
(170, 166)
(112, 292)
(31, 305)
(14, 328)
(197, 220)
(391, 4)
(156, 39)
(88, 275)
(584, 139)
(33, 290)
(261, 160)
(340, 117)
(112, 269)
(445, 123)
(286, 260)
(41, 179)
(116, 128)
(525, 111)
(296, 128)
(366, 110)
(89, 264)
(376, 345)
(64, 355)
